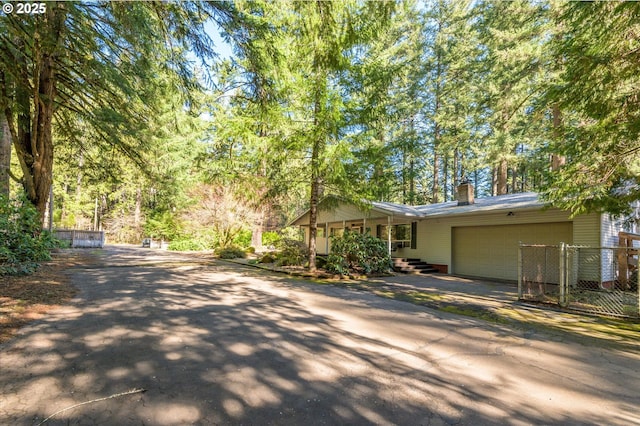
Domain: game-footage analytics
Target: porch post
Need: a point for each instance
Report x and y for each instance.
(389, 234)
(326, 238)
(562, 274)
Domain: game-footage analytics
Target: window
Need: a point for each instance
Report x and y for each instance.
(356, 228)
(337, 232)
(320, 233)
(403, 232)
(404, 235)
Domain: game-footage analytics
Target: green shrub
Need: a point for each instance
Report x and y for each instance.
(321, 261)
(290, 233)
(355, 252)
(243, 238)
(162, 225)
(250, 250)
(267, 258)
(192, 244)
(270, 239)
(231, 252)
(291, 253)
(22, 244)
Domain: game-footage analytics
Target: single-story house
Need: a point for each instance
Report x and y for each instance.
(468, 237)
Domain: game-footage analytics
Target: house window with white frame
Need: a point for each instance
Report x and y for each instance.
(402, 235)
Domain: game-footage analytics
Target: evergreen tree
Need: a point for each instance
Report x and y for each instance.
(512, 42)
(311, 44)
(92, 60)
(451, 92)
(598, 95)
(5, 155)
(383, 88)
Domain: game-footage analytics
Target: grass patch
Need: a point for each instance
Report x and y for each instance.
(478, 313)
(412, 296)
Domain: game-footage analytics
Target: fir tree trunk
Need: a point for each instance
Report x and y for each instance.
(404, 177)
(5, 155)
(42, 169)
(456, 174)
(501, 177)
(445, 177)
(557, 161)
(33, 136)
(138, 208)
(494, 181)
(316, 177)
(412, 182)
(436, 178)
(313, 219)
(258, 229)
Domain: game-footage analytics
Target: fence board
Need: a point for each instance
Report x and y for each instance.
(81, 238)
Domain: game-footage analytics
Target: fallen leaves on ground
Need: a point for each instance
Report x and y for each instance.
(27, 298)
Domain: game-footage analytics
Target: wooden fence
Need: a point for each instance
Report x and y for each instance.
(83, 239)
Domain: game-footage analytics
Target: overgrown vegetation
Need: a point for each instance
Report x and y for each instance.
(485, 91)
(356, 252)
(230, 252)
(22, 244)
(291, 252)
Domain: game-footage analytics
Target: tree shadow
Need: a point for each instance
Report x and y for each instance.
(222, 345)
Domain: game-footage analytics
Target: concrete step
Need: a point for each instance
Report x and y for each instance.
(412, 266)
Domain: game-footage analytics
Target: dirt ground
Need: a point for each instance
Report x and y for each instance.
(27, 298)
(167, 338)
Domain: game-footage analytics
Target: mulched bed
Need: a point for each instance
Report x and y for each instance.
(27, 298)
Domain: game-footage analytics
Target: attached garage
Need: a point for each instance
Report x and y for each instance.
(492, 251)
(468, 237)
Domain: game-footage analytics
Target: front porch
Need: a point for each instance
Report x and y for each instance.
(398, 234)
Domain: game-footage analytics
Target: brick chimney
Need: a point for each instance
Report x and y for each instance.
(465, 193)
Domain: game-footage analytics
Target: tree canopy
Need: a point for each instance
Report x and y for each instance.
(126, 110)
(96, 65)
(598, 91)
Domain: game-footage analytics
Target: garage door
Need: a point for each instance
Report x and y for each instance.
(492, 251)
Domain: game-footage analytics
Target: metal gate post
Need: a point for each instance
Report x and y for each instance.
(638, 285)
(562, 275)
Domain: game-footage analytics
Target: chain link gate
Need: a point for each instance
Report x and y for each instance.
(597, 280)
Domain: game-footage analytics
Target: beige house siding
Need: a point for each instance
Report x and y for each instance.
(343, 212)
(435, 235)
(323, 244)
(587, 263)
(610, 228)
(435, 242)
(586, 230)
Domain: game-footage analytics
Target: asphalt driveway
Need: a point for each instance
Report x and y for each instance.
(214, 343)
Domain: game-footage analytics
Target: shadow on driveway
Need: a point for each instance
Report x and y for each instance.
(215, 344)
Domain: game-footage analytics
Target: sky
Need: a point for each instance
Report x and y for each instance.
(221, 46)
